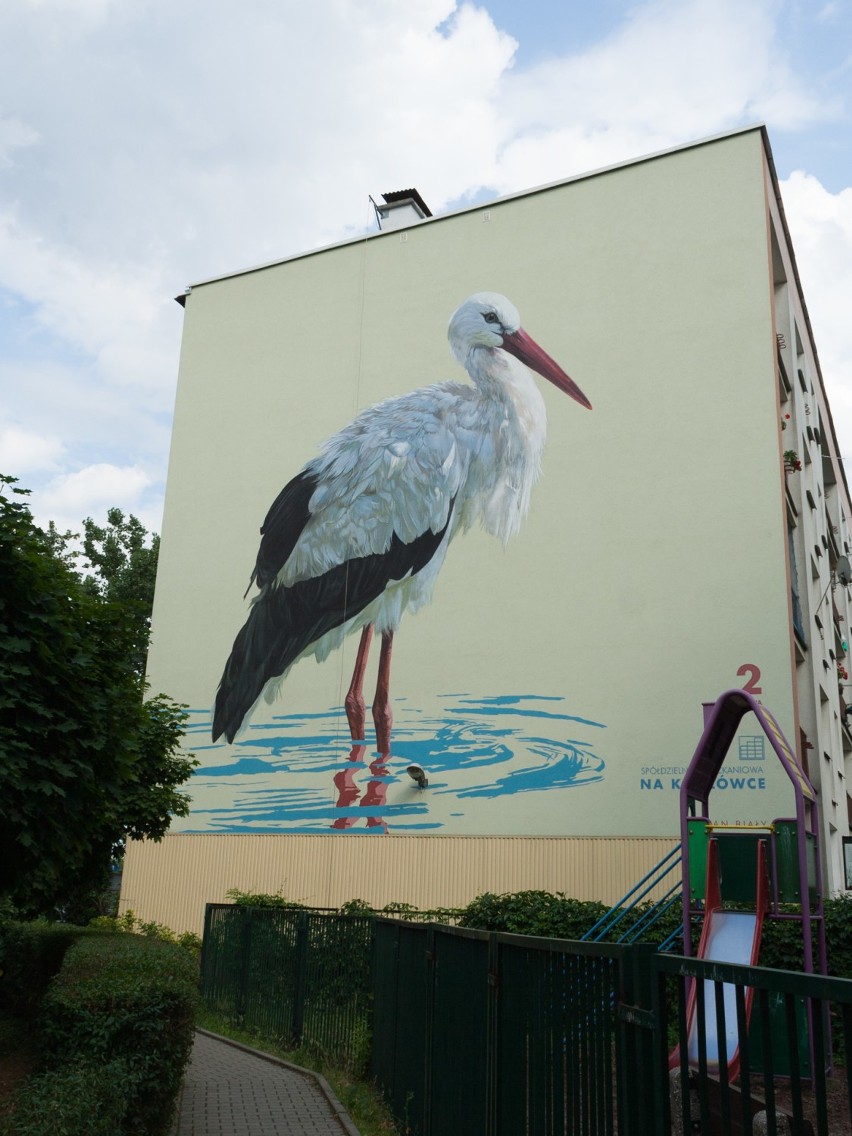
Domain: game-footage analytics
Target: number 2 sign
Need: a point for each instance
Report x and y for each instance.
(753, 672)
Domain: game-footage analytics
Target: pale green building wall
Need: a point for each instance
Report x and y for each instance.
(651, 567)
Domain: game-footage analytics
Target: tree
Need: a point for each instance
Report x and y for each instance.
(120, 567)
(84, 762)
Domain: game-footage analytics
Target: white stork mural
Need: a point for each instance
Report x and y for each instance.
(359, 536)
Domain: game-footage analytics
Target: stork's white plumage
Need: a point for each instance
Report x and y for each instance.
(359, 536)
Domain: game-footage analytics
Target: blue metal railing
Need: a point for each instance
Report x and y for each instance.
(637, 895)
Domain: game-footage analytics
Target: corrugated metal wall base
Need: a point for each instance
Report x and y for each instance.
(170, 882)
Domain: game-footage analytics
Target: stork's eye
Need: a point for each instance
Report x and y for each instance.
(491, 317)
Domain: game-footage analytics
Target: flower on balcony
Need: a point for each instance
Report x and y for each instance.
(784, 421)
(842, 673)
(791, 461)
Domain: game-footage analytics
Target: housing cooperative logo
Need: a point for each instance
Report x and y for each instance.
(745, 774)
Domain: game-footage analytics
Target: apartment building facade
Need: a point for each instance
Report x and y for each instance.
(553, 688)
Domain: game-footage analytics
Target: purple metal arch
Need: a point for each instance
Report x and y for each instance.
(721, 721)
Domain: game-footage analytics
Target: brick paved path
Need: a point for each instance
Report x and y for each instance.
(230, 1090)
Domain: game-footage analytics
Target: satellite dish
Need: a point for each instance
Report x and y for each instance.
(843, 571)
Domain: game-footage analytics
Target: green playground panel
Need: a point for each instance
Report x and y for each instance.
(738, 861)
(696, 850)
(787, 863)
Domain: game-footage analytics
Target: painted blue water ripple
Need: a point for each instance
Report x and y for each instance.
(301, 773)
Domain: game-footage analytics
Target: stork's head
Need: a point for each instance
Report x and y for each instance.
(489, 320)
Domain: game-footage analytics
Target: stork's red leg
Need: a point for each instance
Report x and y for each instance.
(356, 708)
(382, 714)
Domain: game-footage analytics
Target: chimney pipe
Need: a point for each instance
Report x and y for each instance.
(401, 208)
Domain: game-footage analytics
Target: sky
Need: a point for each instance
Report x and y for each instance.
(145, 146)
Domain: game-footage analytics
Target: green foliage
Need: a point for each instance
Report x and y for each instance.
(394, 910)
(412, 914)
(838, 933)
(532, 913)
(84, 762)
(130, 923)
(125, 566)
(549, 915)
(30, 955)
(555, 916)
(119, 566)
(131, 999)
(261, 899)
(124, 571)
(355, 907)
(399, 910)
(303, 976)
(782, 944)
(79, 1099)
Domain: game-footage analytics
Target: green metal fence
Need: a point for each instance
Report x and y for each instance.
(499, 1035)
(792, 1049)
(300, 976)
(478, 1034)
(483, 1034)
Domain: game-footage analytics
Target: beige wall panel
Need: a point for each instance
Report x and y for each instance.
(171, 882)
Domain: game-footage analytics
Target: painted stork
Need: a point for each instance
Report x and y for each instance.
(359, 536)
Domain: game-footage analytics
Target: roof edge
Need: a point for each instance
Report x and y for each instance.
(545, 187)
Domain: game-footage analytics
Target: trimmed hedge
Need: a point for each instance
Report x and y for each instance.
(30, 955)
(555, 916)
(129, 1002)
(80, 1099)
(116, 1026)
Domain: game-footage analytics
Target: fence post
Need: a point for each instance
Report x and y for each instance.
(491, 1038)
(245, 969)
(206, 950)
(636, 1040)
(430, 1023)
(301, 976)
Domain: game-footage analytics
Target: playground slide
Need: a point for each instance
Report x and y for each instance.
(727, 936)
(731, 936)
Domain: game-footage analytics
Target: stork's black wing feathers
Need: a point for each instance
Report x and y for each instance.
(288, 514)
(283, 622)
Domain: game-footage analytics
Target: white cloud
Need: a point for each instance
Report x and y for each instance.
(14, 135)
(68, 498)
(109, 311)
(821, 229)
(145, 146)
(671, 73)
(24, 451)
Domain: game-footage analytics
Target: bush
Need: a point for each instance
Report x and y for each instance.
(262, 899)
(532, 913)
(30, 955)
(412, 914)
(80, 1099)
(129, 999)
(131, 923)
(554, 916)
(782, 944)
(838, 933)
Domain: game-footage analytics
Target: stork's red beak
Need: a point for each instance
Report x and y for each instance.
(525, 348)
